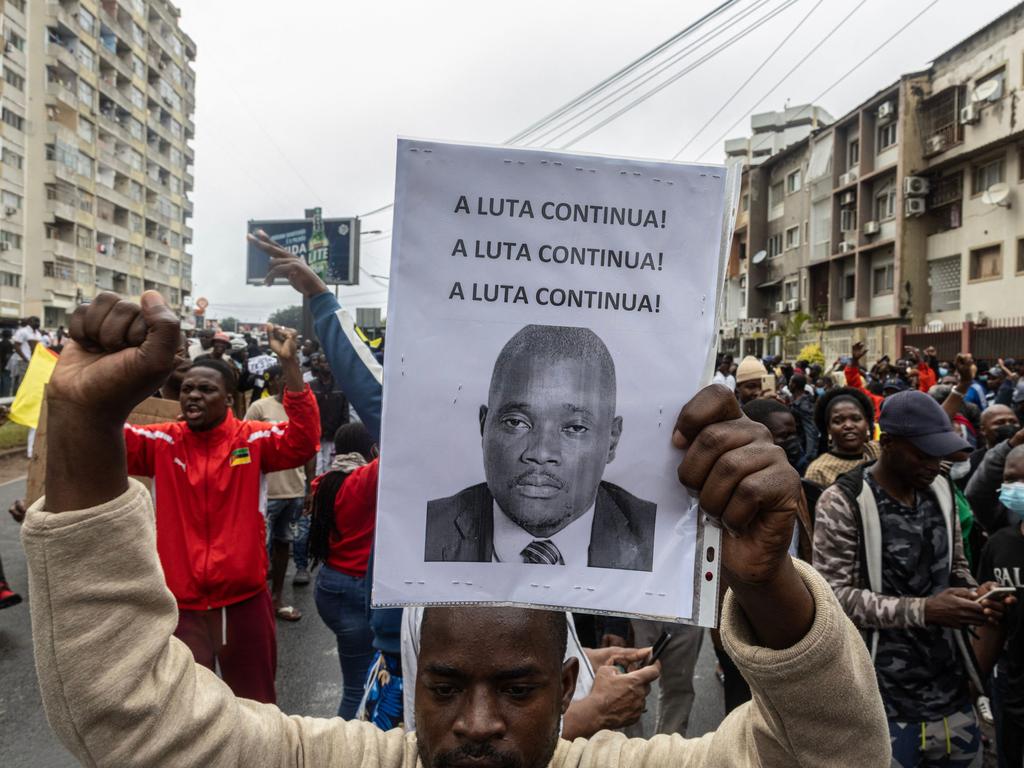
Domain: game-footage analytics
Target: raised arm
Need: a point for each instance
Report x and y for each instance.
(294, 442)
(355, 370)
(118, 688)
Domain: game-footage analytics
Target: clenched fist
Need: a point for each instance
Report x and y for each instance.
(119, 354)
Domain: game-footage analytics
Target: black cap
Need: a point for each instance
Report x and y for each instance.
(895, 383)
(918, 418)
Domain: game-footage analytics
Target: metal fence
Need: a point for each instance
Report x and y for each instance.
(989, 341)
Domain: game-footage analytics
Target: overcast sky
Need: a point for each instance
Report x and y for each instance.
(300, 103)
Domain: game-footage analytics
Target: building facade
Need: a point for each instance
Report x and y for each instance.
(98, 105)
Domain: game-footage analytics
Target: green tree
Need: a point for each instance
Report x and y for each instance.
(290, 317)
(229, 324)
(791, 332)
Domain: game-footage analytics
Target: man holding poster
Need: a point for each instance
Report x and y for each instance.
(549, 428)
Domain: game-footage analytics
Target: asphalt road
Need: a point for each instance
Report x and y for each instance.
(308, 677)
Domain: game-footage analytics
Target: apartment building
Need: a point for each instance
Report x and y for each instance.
(972, 161)
(98, 104)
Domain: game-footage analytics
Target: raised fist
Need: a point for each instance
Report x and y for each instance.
(744, 480)
(118, 355)
(283, 342)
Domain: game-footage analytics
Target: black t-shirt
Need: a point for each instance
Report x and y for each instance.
(6, 350)
(1002, 561)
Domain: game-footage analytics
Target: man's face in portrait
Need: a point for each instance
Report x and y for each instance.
(548, 430)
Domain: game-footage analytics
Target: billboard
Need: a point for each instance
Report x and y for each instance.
(329, 246)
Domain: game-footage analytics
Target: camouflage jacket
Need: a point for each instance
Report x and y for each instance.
(847, 552)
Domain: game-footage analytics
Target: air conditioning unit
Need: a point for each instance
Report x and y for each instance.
(4, 245)
(848, 198)
(846, 178)
(935, 143)
(969, 114)
(914, 206)
(10, 211)
(780, 306)
(846, 246)
(871, 228)
(915, 186)
(852, 173)
(792, 305)
(885, 112)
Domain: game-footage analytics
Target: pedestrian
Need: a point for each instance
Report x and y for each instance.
(983, 489)
(6, 352)
(887, 538)
(25, 340)
(1002, 648)
(207, 472)
(344, 513)
(802, 406)
(285, 492)
(493, 683)
(8, 597)
(844, 417)
(723, 373)
(750, 377)
(334, 408)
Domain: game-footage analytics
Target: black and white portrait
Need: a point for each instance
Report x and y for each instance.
(548, 430)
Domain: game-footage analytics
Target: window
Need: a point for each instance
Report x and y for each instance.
(11, 238)
(853, 153)
(1020, 256)
(85, 130)
(10, 200)
(987, 173)
(85, 201)
(848, 219)
(11, 158)
(138, 66)
(885, 202)
(886, 136)
(84, 237)
(17, 4)
(986, 263)
(849, 286)
(13, 119)
(775, 194)
(791, 290)
(137, 97)
(86, 21)
(10, 280)
(881, 280)
(16, 40)
(85, 92)
(793, 237)
(14, 80)
(774, 245)
(86, 56)
(793, 182)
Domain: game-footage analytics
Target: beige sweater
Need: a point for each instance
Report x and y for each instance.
(119, 690)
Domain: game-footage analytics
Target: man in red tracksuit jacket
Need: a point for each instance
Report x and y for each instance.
(208, 473)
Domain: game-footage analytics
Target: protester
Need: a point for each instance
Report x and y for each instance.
(723, 373)
(750, 377)
(492, 683)
(678, 662)
(203, 345)
(344, 509)
(925, 367)
(207, 473)
(781, 423)
(845, 418)
(8, 597)
(6, 352)
(25, 340)
(334, 410)
(913, 591)
(285, 492)
(802, 406)
(1000, 386)
(977, 393)
(983, 489)
(1002, 648)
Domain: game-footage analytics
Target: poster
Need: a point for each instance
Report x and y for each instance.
(549, 314)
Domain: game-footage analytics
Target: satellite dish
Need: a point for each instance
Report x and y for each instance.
(996, 194)
(759, 257)
(985, 91)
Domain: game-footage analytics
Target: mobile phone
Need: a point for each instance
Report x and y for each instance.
(996, 594)
(659, 647)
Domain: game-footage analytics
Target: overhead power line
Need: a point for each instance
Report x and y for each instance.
(746, 82)
(843, 77)
(663, 85)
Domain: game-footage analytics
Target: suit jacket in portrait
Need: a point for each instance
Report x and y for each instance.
(460, 528)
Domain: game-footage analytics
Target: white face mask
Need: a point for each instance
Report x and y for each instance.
(959, 470)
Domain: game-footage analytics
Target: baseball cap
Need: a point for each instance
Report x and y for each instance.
(996, 372)
(895, 383)
(918, 418)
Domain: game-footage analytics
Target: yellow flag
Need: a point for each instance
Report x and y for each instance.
(29, 399)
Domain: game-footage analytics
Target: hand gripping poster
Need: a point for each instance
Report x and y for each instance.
(548, 316)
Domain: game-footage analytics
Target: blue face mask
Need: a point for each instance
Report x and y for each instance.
(943, 372)
(1011, 496)
(820, 391)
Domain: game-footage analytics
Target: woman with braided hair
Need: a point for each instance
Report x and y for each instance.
(845, 418)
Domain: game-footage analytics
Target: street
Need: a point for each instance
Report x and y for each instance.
(308, 675)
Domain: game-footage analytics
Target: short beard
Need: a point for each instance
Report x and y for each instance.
(487, 751)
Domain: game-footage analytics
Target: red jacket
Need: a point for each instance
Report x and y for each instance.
(210, 495)
(355, 518)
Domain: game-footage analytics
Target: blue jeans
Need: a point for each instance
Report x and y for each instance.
(300, 541)
(341, 603)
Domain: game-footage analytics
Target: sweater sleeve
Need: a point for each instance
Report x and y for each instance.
(836, 556)
(120, 690)
(815, 703)
(355, 369)
(983, 488)
(292, 443)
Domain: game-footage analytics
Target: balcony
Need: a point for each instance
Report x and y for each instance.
(55, 12)
(118, 198)
(62, 207)
(108, 227)
(59, 249)
(115, 61)
(157, 246)
(57, 53)
(60, 171)
(58, 91)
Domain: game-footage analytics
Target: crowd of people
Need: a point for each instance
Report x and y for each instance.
(897, 499)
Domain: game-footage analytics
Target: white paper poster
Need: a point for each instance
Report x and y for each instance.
(549, 314)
